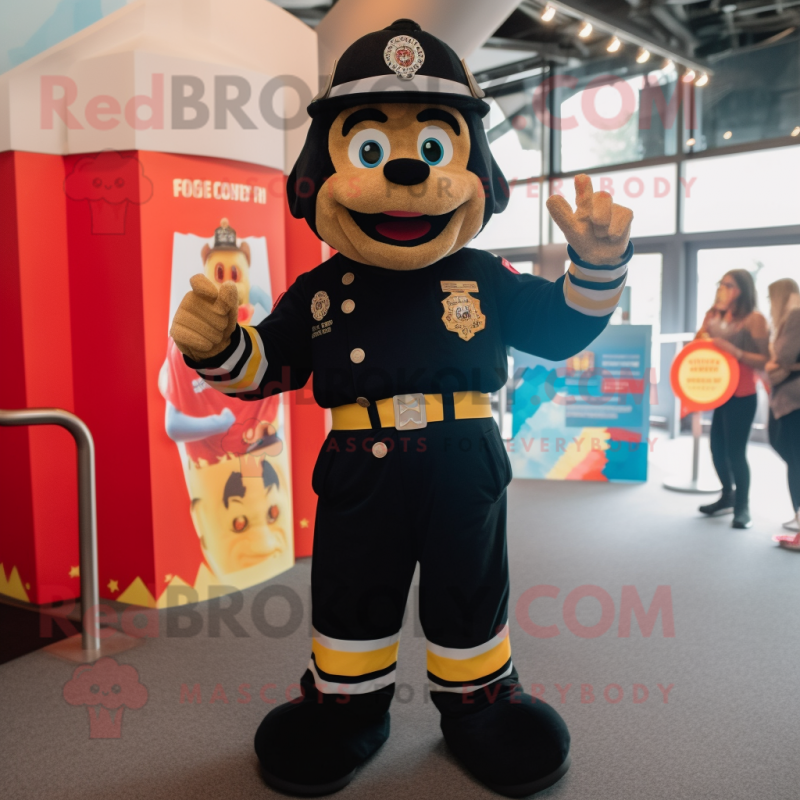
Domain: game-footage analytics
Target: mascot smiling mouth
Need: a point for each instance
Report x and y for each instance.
(402, 228)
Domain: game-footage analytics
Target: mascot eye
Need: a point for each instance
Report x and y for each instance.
(432, 151)
(434, 146)
(234, 273)
(371, 154)
(220, 272)
(239, 524)
(273, 512)
(369, 148)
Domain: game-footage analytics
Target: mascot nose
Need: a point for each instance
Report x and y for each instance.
(406, 171)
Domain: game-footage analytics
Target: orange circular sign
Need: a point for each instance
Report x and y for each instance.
(703, 376)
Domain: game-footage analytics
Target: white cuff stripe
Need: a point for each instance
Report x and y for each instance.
(607, 275)
(598, 294)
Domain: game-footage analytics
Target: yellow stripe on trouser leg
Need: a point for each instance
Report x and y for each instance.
(337, 662)
(470, 669)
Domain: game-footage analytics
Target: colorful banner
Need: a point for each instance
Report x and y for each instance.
(585, 418)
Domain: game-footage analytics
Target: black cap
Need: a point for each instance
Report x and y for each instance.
(399, 64)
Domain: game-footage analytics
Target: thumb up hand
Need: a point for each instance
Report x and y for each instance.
(206, 318)
(598, 229)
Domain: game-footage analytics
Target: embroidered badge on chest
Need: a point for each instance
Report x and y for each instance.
(462, 311)
(320, 305)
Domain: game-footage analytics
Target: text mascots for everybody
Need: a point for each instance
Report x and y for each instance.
(405, 331)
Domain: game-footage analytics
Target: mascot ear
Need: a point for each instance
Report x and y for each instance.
(245, 248)
(500, 187)
(312, 168)
(204, 252)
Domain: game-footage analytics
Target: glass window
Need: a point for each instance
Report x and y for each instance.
(641, 300)
(740, 191)
(611, 119)
(765, 263)
(751, 96)
(515, 135)
(519, 225)
(649, 192)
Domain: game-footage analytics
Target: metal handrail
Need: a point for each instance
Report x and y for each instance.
(87, 509)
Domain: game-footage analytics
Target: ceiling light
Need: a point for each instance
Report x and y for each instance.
(548, 13)
(796, 131)
(689, 76)
(614, 45)
(644, 55)
(691, 142)
(727, 134)
(585, 30)
(667, 66)
(702, 80)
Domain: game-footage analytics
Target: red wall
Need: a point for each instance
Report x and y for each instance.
(38, 475)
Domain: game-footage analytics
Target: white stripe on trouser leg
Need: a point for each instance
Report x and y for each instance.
(364, 687)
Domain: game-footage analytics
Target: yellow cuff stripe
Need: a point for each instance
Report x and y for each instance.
(470, 669)
(337, 662)
(581, 302)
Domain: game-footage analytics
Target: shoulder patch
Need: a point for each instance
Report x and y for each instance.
(509, 266)
(275, 304)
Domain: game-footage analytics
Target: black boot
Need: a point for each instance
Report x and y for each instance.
(312, 746)
(741, 518)
(722, 506)
(512, 742)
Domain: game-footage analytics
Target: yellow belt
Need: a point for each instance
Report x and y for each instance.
(354, 417)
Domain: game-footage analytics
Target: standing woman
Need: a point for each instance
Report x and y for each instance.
(735, 325)
(783, 370)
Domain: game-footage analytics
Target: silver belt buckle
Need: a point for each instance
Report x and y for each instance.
(410, 413)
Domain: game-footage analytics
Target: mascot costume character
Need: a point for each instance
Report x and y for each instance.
(405, 331)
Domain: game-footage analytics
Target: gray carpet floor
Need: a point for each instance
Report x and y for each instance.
(730, 728)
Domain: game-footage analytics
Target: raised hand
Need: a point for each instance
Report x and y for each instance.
(206, 318)
(598, 229)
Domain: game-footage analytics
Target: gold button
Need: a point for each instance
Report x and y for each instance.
(348, 306)
(363, 402)
(379, 450)
(348, 278)
(357, 355)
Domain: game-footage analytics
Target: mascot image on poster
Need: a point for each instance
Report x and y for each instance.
(234, 461)
(405, 330)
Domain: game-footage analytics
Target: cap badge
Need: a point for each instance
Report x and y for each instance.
(404, 56)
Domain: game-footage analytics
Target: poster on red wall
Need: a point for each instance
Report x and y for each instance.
(194, 488)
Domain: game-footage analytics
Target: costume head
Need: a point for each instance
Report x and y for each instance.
(396, 169)
(228, 261)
